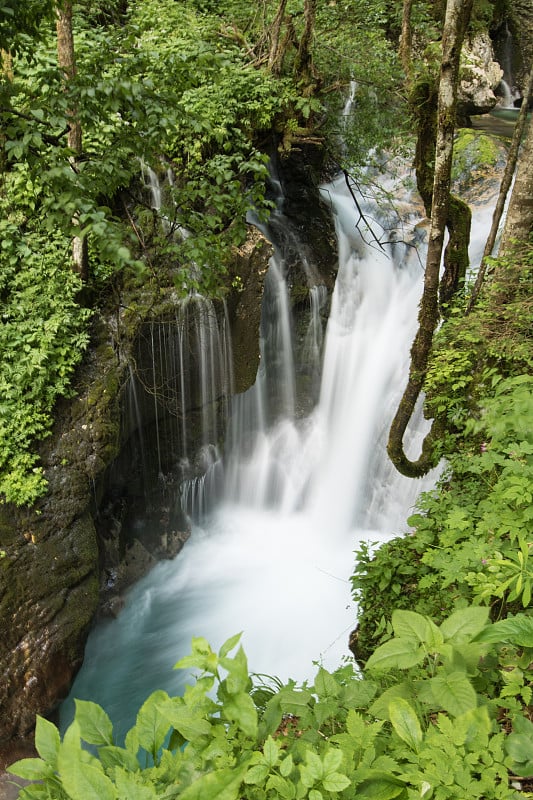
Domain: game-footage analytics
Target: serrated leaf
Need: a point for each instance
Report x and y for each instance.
(325, 684)
(397, 653)
(95, 726)
(184, 719)
(84, 781)
(405, 722)
(223, 784)
(113, 756)
(31, 769)
(152, 725)
(132, 787)
(464, 624)
(47, 740)
(282, 787)
(271, 752)
(286, 766)
(335, 782)
(240, 709)
(453, 692)
(517, 630)
(256, 775)
(414, 626)
(332, 761)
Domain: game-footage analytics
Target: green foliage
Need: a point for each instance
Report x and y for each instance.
(42, 339)
(378, 736)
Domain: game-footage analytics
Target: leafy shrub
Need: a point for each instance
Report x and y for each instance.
(429, 692)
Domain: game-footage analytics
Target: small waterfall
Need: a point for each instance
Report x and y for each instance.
(295, 494)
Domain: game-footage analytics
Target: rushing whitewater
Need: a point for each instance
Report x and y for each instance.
(273, 557)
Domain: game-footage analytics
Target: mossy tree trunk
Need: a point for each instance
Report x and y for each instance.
(455, 24)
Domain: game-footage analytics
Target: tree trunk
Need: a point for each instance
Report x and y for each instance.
(303, 59)
(406, 41)
(67, 63)
(455, 23)
(274, 57)
(519, 221)
(504, 189)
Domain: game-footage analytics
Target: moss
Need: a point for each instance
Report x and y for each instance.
(475, 155)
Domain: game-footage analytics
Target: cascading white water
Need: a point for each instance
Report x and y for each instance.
(273, 559)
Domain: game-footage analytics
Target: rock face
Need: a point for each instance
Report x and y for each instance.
(480, 76)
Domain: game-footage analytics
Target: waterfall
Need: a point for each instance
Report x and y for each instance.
(295, 492)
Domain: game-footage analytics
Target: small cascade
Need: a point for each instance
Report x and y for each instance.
(506, 90)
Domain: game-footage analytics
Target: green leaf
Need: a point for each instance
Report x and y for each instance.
(335, 782)
(282, 787)
(405, 722)
(240, 709)
(286, 766)
(464, 624)
(325, 684)
(223, 784)
(520, 747)
(131, 786)
(152, 725)
(410, 625)
(271, 752)
(47, 740)
(397, 653)
(184, 719)
(517, 630)
(84, 781)
(95, 725)
(312, 771)
(31, 769)
(229, 644)
(453, 692)
(113, 756)
(257, 775)
(376, 784)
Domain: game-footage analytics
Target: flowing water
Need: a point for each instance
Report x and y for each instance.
(273, 557)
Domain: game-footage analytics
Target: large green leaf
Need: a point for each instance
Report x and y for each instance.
(405, 722)
(376, 784)
(95, 725)
(453, 692)
(398, 653)
(47, 740)
(464, 624)
(517, 630)
(410, 625)
(224, 784)
(31, 769)
(84, 781)
(152, 724)
(240, 708)
(184, 719)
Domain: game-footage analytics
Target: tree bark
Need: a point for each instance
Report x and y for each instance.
(504, 190)
(519, 220)
(406, 41)
(304, 59)
(274, 59)
(455, 23)
(66, 60)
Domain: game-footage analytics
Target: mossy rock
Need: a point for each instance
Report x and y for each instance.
(477, 156)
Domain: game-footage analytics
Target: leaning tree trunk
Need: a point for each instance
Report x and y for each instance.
(519, 220)
(518, 205)
(67, 63)
(455, 23)
(275, 56)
